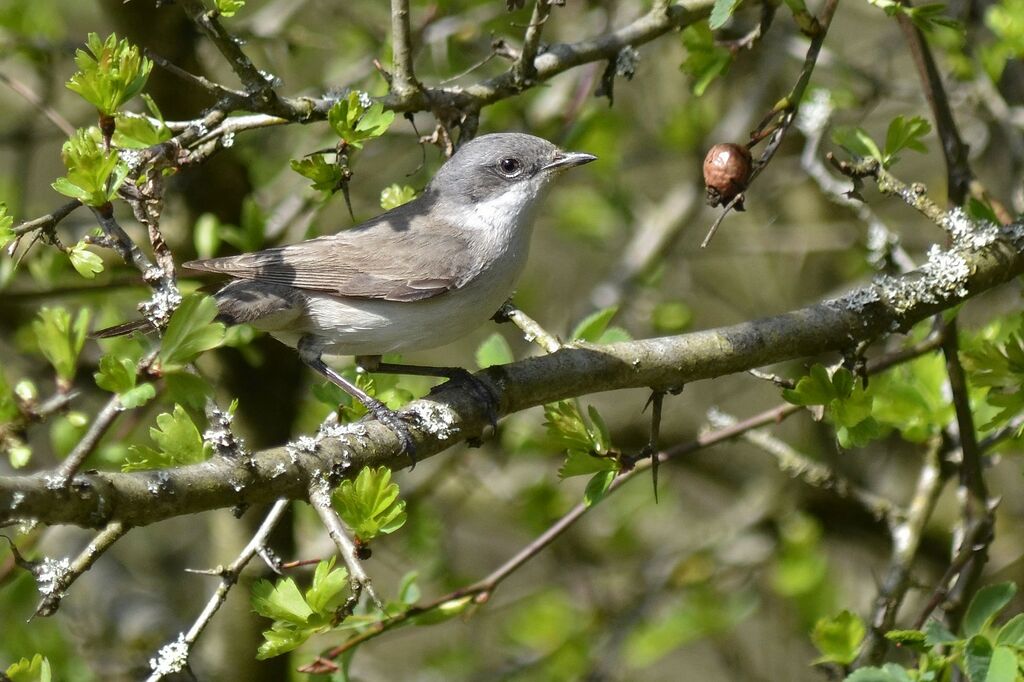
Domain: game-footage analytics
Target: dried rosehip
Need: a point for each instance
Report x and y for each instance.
(726, 173)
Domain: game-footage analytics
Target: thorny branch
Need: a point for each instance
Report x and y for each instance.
(174, 656)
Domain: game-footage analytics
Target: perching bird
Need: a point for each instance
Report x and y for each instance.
(417, 277)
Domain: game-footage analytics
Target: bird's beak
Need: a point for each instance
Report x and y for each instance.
(563, 160)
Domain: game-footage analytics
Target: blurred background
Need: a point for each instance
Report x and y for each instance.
(722, 578)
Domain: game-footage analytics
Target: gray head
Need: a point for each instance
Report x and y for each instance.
(503, 164)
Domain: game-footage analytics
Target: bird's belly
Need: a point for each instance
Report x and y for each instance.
(349, 326)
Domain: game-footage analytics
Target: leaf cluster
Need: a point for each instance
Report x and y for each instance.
(94, 173)
(369, 505)
(587, 445)
(61, 339)
(178, 443)
(847, 404)
(903, 133)
(110, 72)
(298, 616)
(983, 651)
(356, 119)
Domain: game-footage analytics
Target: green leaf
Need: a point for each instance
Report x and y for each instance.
(671, 317)
(94, 173)
(327, 176)
(839, 638)
(369, 505)
(139, 132)
(721, 12)
(593, 325)
(60, 339)
(9, 409)
(905, 133)
(228, 8)
(931, 16)
(814, 389)
(356, 119)
(190, 390)
(1003, 666)
(179, 443)
(985, 606)
(116, 374)
(282, 601)
(137, 397)
(493, 351)
(110, 73)
(908, 638)
(395, 195)
(597, 486)
(570, 431)
(581, 463)
(280, 639)
(87, 263)
(206, 235)
(705, 61)
(977, 658)
(857, 142)
(444, 611)
(1012, 632)
(25, 670)
(328, 590)
(936, 634)
(191, 331)
(6, 223)
(890, 672)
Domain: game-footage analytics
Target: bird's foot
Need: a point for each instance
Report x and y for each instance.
(390, 419)
(482, 391)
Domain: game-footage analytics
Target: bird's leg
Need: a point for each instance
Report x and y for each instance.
(372, 363)
(379, 410)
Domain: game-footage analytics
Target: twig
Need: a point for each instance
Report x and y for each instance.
(48, 221)
(104, 419)
(532, 331)
(57, 585)
(906, 540)
(524, 70)
(256, 82)
(403, 79)
(182, 647)
(54, 116)
(787, 109)
(320, 498)
(215, 89)
(798, 465)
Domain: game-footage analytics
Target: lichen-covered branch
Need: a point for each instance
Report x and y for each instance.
(975, 263)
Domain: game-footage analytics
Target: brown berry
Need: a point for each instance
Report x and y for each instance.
(726, 173)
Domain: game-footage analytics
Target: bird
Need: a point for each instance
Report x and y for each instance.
(416, 277)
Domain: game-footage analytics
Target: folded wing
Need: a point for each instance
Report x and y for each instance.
(373, 261)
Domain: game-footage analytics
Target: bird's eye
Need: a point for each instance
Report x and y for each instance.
(510, 167)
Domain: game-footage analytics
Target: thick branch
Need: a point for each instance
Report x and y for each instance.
(450, 415)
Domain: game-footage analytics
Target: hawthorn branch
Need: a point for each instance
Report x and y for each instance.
(403, 79)
(449, 415)
(228, 577)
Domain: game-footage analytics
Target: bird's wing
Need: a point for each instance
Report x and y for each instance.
(373, 261)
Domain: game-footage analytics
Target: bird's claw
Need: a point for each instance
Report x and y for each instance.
(390, 419)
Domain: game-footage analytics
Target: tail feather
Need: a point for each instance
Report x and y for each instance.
(122, 329)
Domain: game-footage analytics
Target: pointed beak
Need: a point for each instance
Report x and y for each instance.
(563, 160)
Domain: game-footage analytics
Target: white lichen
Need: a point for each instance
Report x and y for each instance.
(365, 101)
(164, 301)
(227, 140)
(50, 575)
(172, 658)
(434, 419)
(967, 232)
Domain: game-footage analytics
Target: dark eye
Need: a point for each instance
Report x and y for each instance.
(510, 167)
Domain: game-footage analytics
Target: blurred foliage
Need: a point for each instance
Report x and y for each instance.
(712, 582)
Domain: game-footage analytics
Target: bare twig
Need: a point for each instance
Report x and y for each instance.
(403, 78)
(48, 221)
(103, 420)
(524, 70)
(182, 647)
(57, 585)
(532, 331)
(54, 116)
(906, 540)
(320, 498)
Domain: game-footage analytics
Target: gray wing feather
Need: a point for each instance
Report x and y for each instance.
(375, 260)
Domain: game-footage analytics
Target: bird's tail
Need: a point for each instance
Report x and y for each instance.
(141, 324)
